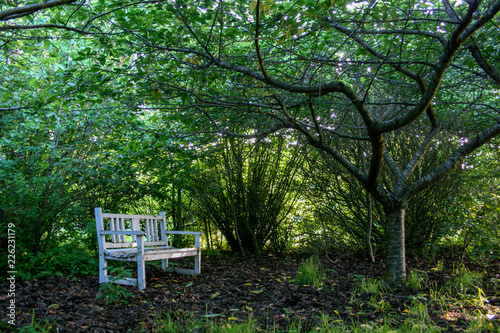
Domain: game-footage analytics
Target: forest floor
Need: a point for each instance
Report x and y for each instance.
(234, 289)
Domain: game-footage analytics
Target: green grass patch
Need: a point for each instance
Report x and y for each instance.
(417, 280)
(311, 272)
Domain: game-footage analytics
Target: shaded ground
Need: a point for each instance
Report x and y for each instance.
(236, 288)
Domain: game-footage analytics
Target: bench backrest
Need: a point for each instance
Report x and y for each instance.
(153, 226)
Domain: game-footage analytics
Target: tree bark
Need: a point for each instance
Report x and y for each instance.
(369, 225)
(369, 222)
(179, 224)
(396, 259)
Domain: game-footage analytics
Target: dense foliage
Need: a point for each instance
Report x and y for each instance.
(371, 124)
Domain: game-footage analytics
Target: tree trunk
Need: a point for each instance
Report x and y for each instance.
(369, 225)
(173, 207)
(369, 222)
(396, 260)
(208, 234)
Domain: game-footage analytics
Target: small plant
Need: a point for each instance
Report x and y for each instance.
(439, 266)
(115, 293)
(480, 323)
(417, 327)
(494, 283)
(311, 272)
(440, 296)
(416, 280)
(42, 326)
(212, 253)
(369, 285)
(380, 305)
(420, 311)
(419, 319)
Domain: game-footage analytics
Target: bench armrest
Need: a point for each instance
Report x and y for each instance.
(198, 233)
(125, 232)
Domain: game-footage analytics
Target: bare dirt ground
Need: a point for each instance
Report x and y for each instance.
(237, 288)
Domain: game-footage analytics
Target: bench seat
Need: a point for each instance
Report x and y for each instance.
(150, 253)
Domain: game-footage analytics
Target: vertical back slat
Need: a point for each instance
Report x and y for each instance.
(136, 226)
(112, 227)
(151, 232)
(158, 238)
(155, 230)
(122, 228)
(148, 230)
(163, 228)
(118, 228)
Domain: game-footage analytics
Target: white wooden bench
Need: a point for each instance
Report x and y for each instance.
(139, 238)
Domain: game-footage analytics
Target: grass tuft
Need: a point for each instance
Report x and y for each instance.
(311, 272)
(417, 280)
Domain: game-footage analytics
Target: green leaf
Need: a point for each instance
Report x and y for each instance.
(253, 4)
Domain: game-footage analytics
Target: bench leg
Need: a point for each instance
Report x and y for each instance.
(164, 264)
(141, 275)
(197, 263)
(141, 264)
(103, 272)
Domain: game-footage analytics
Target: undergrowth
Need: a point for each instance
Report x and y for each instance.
(68, 260)
(419, 315)
(311, 272)
(430, 308)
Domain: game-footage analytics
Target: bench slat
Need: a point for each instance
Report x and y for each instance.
(121, 232)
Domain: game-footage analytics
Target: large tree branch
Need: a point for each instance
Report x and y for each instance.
(396, 65)
(42, 26)
(455, 41)
(491, 71)
(440, 38)
(257, 44)
(454, 160)
(17, 12)
(485, 18)
(417, 157)
(432, 87)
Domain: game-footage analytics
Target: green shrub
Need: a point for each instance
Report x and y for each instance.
(68, 260)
